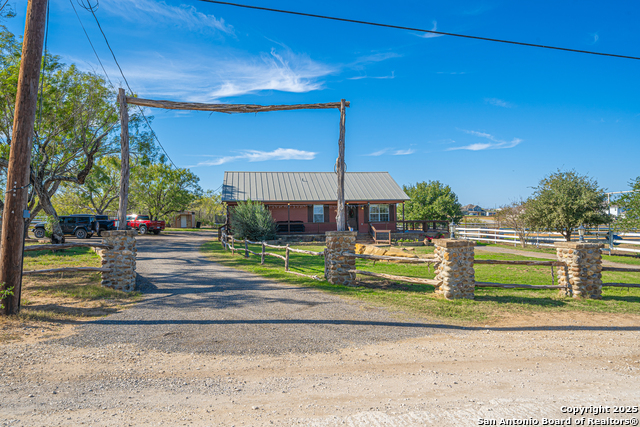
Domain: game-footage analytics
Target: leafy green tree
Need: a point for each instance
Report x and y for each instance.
(208, 206)
(160, 190)
(253, 221)
(98, 195)
(76, 125)
(630, 203)
(432, 200)
(563, 201)
(512, 215)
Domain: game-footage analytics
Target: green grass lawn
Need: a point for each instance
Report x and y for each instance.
(489, 304)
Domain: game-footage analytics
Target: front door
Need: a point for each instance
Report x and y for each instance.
(183, 221)
(352, 218)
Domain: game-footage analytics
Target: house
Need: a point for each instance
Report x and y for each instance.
(472, 210)
(616, 211)
(305, 202)
(184, 220)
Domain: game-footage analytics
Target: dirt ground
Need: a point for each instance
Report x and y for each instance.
(521, 369)
(209, 345)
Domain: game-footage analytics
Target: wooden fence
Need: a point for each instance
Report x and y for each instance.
(228, 243)
(544, 238)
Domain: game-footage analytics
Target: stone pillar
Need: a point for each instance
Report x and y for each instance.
(121, 259)
(582, 275)
(455, 270)
(341, 244)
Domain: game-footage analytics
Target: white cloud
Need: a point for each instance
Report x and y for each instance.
(209, 78)
(262, 156)
(378, 153)
(404, 152)
(594, 38)
(498, 102)
(160, 12)
(286, 71)
(495, 144)
(392, 76)
(392, 152)
(431, 35)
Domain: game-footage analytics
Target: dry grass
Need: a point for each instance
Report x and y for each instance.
(52, 302)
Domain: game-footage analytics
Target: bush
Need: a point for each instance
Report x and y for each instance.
(253, 221)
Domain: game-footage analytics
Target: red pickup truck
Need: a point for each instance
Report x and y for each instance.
(143, 224)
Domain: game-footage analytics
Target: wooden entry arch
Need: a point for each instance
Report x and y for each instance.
(124, 100)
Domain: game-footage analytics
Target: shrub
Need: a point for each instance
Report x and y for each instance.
(253, 221)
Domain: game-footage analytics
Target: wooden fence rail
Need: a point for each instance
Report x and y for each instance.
(66, 246)
(508, 262)
(66, 270)
(399, 278)
(398, 258)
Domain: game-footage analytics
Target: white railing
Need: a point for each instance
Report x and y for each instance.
(510, 236)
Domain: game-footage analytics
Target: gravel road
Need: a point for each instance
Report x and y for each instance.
(194, 305)
(209, 345)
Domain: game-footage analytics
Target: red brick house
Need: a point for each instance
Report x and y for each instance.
(305, 202)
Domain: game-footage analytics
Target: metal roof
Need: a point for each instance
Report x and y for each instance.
(309, 187)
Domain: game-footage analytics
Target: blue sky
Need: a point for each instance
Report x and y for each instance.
(488, 119)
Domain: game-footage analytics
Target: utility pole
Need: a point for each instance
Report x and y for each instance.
(13, 227)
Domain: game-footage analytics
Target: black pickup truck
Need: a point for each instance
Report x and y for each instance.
(81, 226)
(106, 224)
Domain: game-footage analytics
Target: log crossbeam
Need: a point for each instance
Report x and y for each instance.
(229, 108)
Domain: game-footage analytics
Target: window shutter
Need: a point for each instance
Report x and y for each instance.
(392, 213)
(310, 213)
(326, 213)
(366, 214)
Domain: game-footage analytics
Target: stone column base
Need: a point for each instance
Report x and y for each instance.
(121, 259)
(341, 245)
(582, 275)
(455, 271)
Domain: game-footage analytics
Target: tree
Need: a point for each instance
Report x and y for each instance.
(563, 201)
(75, 126)
(432, 200)
(512, 215)
(76, 114)
(99, 193)
(253, 221)
(160, 190)
(630, 204)
(208, 206)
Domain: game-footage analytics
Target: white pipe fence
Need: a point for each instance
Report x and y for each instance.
(548, 238)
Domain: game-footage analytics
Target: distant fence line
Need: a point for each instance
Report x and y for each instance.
(548, 238)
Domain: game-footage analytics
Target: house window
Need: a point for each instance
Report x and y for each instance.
(318, 213)
(378, 213)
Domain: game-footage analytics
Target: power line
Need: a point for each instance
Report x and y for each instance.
(92, 10)
(419, 30)
(94, 49)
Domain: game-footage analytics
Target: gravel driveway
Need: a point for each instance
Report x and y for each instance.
(213, 346)
(195, 305)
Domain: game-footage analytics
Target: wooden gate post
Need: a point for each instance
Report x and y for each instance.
(262, 255)
(124, 160)
(341, 220)
(286, 259)
(246, 248)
